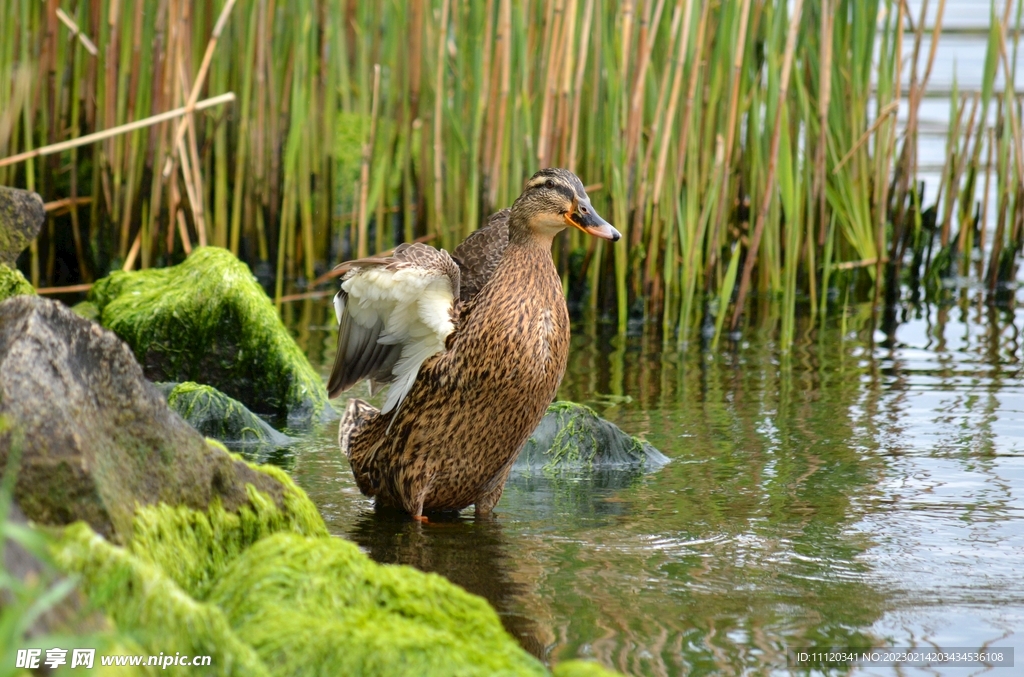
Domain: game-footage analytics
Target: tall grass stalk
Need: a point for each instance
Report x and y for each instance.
(711, 132)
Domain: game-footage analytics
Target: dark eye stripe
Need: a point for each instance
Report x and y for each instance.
(565, 190)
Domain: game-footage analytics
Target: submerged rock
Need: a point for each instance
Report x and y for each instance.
(13, 283)
(96, 439)
(208, 320)
(216, 415)
(21, 216)
(573, 437)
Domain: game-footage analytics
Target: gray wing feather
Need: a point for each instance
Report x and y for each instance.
(361, 354)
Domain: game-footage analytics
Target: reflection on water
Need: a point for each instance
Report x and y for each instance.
(864, 488)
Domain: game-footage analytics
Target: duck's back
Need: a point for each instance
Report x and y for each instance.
(473, 407)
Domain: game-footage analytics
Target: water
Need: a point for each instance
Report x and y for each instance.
(861, 490)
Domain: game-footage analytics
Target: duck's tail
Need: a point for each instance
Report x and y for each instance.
(358, 413)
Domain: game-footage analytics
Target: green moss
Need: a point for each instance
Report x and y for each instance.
(573, 435)
(582, 669)
(321, 607)
(193, 547)
(224, 418)
(152, 609)
(88, 310)
(13, 283)
(208, 320)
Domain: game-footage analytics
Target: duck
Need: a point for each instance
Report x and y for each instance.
(472, 347)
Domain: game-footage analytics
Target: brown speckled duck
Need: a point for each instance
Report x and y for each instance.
(473, 347)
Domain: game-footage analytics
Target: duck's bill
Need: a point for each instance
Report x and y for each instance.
(591, 223)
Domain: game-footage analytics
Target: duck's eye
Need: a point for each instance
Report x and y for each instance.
(549, 183)
(584, 210)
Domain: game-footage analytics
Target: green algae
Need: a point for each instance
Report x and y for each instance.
(193, 547)
(572, 437)
(88, 310)
(578, 668)
(294, 602)
(223, 418)
(150, 608)
(13, 283)
(322, 607)
(208, 320)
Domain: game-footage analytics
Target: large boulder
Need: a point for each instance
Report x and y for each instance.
(13, 283)
(208, 320)
(96, 439)
(21, 217)
(572, 437)
(225, 419)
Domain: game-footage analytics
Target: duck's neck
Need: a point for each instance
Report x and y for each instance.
(520, 235)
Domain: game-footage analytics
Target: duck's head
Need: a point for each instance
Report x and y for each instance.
(554, 199)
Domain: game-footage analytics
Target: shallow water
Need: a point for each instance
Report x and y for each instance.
(860, 490)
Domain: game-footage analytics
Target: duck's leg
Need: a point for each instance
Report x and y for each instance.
(485, 503)
(415, 507)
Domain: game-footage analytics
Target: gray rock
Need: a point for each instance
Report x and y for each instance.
(572, 437)
(96, 439)
(214, 414)
(21, 217)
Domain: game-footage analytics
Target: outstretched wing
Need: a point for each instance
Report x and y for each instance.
(479, 254)
(393, 313)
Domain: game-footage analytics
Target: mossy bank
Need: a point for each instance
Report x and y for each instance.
(265, 592)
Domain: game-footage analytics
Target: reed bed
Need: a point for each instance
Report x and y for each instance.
(757, 148)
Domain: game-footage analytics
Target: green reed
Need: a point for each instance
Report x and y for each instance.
(747, 149)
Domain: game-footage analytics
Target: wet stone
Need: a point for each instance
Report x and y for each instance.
(572, 437)
(225, 419)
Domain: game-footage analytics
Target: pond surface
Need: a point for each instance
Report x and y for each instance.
(860, 490)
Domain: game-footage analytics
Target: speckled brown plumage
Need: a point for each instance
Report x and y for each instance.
(453, 440)
(480, 253)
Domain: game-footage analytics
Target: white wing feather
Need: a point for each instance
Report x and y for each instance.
(414, 306)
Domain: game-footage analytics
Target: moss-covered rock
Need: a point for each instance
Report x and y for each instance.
(58, 614)
(96, 439)
(294, 605)
(88, 310)
(194, 546)
(320, 606)
(208, 320)
(572, 437)
(223, 418)
(21, 216)
(13, 283)
(147, 605)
